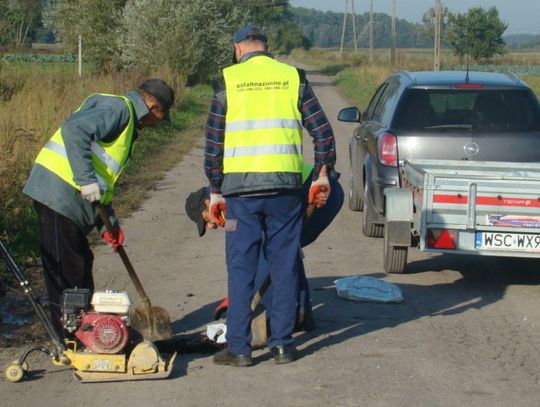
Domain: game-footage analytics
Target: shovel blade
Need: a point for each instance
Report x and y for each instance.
(152, 322)
(259, 328)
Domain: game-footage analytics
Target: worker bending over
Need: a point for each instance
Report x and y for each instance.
(78, 167)
(314, 223)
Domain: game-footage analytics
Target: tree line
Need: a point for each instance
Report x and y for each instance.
(323, 30)
(477, 33)
(192, 38)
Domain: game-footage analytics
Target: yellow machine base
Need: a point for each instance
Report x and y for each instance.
(143, 363)
(95, 377)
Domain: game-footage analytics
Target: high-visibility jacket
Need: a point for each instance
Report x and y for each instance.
(108, 158)
(263, 127)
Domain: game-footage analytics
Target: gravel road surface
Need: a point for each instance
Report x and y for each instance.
(466, 334)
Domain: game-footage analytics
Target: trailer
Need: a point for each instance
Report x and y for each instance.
(482, 208)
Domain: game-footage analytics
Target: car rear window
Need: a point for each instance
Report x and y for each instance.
(494, 110)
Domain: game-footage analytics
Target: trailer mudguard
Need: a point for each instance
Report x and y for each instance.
(399, 216)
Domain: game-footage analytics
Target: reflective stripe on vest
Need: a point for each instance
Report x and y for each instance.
(108, 159)
(263, 130)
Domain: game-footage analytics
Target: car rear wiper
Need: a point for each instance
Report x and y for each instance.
(451, 126)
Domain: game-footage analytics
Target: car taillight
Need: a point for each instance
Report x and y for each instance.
(387, 148)
(442, 238)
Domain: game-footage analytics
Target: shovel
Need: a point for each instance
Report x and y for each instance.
(152, 322)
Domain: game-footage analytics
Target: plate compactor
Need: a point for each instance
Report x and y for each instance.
(102, 346)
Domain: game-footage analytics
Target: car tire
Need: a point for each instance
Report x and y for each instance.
(369, 227)
(356, 183)
(394, 257)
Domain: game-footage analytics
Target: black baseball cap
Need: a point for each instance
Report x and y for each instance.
(159, 89)
(195, 206)
(249, 32)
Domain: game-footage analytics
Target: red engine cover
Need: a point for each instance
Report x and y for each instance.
(102, 333)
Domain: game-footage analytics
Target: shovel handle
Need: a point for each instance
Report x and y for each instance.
(309, 211)
(123, 255)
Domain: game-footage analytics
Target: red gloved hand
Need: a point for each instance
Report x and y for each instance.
(221, 310)
(110, 238)
(320, 189)
(217, 208)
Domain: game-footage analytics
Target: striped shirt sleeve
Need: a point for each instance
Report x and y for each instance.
(214, 145)
(319, 128)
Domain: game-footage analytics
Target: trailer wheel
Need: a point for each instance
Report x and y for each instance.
(14, 372)
(369, 227)
(394, 257)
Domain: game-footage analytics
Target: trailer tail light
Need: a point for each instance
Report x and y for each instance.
(387, 148)
(442, 238)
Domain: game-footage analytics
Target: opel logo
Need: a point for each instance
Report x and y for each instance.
(471, 148)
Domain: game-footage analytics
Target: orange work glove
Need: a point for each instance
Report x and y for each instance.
(217, 208)
(115, 239)
(320, 189)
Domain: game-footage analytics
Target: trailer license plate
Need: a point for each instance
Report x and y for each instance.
(508, 241)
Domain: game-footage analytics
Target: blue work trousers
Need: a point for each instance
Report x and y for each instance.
(311, 229)
(275, 220)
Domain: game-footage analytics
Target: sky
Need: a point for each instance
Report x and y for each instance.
(522, 16)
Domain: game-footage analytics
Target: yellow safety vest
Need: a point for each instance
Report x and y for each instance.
(108, 158)
(263, 125)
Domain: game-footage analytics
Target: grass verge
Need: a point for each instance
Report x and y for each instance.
(156, 151)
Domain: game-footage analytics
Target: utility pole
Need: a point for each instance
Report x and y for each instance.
(345, 25)
(393, 49)
(437, 37)
(371, 31)
(343, 28)
(80, 55)
(354, 26)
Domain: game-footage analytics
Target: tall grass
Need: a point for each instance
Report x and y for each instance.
(34, 101)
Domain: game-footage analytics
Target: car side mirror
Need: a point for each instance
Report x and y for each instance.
(350, 114)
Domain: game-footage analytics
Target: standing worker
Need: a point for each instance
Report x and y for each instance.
(253, 161)
(79, 166)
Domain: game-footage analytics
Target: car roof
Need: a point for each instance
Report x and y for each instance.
(451, 78)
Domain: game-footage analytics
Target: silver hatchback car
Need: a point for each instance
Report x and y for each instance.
(453, 115)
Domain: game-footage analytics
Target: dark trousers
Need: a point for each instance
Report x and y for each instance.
(66, 257)
(311, 229)
(276, 220)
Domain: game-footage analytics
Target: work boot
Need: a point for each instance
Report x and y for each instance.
(284, 354)
(224, 357)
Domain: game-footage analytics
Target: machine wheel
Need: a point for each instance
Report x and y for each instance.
(394, 257)
(356, 189)
(369, 227)
(24, 365)
(14, 372)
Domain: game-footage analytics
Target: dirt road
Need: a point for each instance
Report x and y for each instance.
(467, 333)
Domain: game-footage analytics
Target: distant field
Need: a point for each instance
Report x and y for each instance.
(357, 78)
